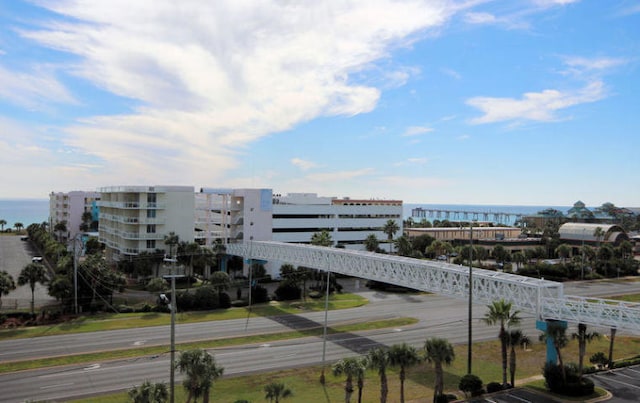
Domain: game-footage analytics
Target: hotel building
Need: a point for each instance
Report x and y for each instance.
(69, 207)
(135, 219)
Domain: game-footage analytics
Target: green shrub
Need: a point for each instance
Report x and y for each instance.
(315, 294)
(259, 294)
(471, 385)
(125, 309)
(287, 291)
(599, 359)
(205, 298)
(574, 385)
(493, 387)
(157, 284)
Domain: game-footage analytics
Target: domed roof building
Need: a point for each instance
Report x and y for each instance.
(587, 233)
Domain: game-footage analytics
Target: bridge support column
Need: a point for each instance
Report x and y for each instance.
(552, 355)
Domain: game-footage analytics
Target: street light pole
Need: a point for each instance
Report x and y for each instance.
(470, 341)
(324, 332)
(172, 307)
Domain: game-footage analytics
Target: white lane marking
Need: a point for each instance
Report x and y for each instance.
(91, 367)
(139, 342)
(56, 386)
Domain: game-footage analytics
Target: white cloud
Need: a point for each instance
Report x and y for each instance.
(303, 164)
(578, 65)
(208, 78)
(535, 106)
(551, 3)
(416, 131)
(508, 21)
(33, 90)
(480, 18)
(412, 161)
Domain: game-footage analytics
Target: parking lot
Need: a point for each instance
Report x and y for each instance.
(623, 383)
(518, 395)
(15, 254)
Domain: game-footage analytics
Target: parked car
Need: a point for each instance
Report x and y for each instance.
(36, 259)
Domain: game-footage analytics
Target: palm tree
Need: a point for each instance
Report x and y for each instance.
(500, 312)
(599, 234)
(276, 391)
(171, 240)
(403, 356)
(3, 222)
(149, 393)
(439, 352)
(188, 250)
(379, 360)
(87, 218)
(519, 259)
(221, 281)
(322, 238)
(31, 274)
(6, 284)
(583, 338)
(371, 243)
(557, 331)
(438, 248)
(219, 249)
(18, 226)
(516, 339)
(350, 367)
(390, 228)
(403, 246)
(611, 340)
(563, 251)
(200, 371)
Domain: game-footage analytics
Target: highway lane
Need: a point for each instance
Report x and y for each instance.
(381, 306)
(101, 377)
(439, 317)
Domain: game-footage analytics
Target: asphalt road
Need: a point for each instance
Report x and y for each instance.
(439, 317)
(623, 383)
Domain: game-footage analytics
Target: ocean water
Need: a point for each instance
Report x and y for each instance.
(27, 211)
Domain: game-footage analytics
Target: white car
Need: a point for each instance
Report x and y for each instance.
(36, 259)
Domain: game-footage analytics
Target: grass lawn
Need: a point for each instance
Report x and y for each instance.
(114, 321)
(627, 298)
(305, 385)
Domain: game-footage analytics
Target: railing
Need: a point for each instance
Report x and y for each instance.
(543, 298)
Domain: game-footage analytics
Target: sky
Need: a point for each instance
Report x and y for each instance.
(512, 102)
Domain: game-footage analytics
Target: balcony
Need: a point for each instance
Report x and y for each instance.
(131, 205)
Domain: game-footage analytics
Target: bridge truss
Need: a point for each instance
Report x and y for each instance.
(543, 298)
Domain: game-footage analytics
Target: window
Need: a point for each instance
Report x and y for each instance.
(151, 214)
(151, 229)
(151, 243)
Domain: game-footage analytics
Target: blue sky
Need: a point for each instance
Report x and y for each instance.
(525, 102)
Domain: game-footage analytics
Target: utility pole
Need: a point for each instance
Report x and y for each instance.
(76, 239)
(470, 341)
(172, 260)
(324, 330)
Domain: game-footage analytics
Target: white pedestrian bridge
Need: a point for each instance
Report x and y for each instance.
(543, 298)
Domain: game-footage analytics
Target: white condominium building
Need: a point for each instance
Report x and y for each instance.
(233, 215)
(69, 207)
(135, 219)
(297, 216)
